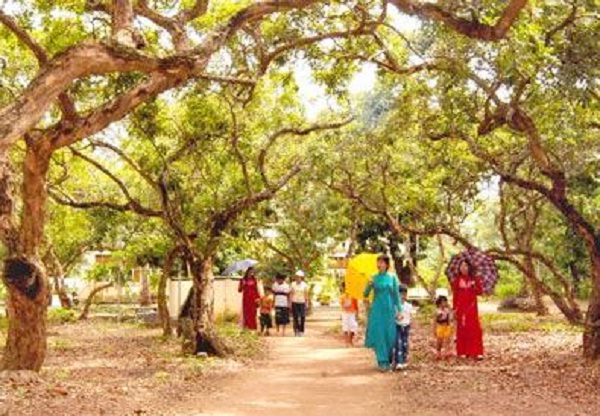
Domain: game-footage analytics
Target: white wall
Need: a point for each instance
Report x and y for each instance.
(226, 295)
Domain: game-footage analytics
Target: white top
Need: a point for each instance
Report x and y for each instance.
(299, 292)
(404, 317)
(281, 292)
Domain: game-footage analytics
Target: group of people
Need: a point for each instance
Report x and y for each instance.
(283, 297)
(390, 315)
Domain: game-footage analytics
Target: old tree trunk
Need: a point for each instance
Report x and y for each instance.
(24, 274)
(591, 336)
(198, 323)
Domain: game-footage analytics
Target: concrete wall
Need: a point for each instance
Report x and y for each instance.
(226, 295)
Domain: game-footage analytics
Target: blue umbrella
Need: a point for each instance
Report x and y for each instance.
(239, 266)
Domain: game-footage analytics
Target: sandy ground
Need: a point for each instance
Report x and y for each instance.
(109, 369)
(525, 373)
(314, 375)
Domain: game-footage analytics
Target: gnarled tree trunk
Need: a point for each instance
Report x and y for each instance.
(536, 292)
(24, 274)
(591, 336)
(145, 295)
(90, 300)
(163, 310)
(197, 324)
(204, 300)
(55, 269)
(26, 309)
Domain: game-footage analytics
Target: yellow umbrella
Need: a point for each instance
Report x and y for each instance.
(359, 272)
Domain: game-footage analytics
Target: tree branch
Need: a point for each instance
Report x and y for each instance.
(38, 51)
(470, 28)
(67, 200)
(132, 204)
(268, 58)
(132, 163)
(235, 137)
(65, 101)
(199, 8)
(296, 131)
(286, 256)
(65, 134)
(222, 220)
(92, 58)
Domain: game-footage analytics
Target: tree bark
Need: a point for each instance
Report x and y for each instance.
(204, 321)
(55, 269)
(536, 292)
(163, 310)
(34, 195)
(145, 295)
(353, 236)
(90, 300)
(26, 309)
(24, 273)
(59, 288)
(591, 336)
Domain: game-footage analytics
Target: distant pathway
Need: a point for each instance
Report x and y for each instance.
(311, 376)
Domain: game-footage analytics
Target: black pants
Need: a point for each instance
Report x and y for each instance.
(299, 313)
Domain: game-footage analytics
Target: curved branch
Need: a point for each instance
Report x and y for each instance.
(268, 58)
(470, 28)
(296, 131)
(132, 204)
(32, 44)
(199, 8)
(65, 101)
(65, 134)
(132, 163)
(93, 58)
(223, 219)
(90, 299)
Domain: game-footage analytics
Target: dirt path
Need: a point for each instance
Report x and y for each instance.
(314, 375)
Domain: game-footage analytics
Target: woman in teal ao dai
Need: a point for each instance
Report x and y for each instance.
(381, 326)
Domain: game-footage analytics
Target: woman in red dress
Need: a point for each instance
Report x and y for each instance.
(469, 336)
(248, 287)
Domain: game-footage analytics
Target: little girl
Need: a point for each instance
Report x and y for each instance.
(442, 327)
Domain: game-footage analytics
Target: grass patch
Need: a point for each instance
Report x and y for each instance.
(244, 344)
(57, 316)
(60, 344)
(63, 374)
(525, 322)
(227, 317)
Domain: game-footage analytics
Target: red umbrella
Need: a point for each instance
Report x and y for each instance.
(483, 265)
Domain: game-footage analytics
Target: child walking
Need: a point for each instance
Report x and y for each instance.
(349, 316)
(281, 293)
(266, 307)
(403, 321)
(442, 327)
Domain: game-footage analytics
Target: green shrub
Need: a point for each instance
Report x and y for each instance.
(425, 312)
(507, 290)
(61, 316)
(324, 299)
(243, 344)
(228, 317)
(510, 282)
(525, 322)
